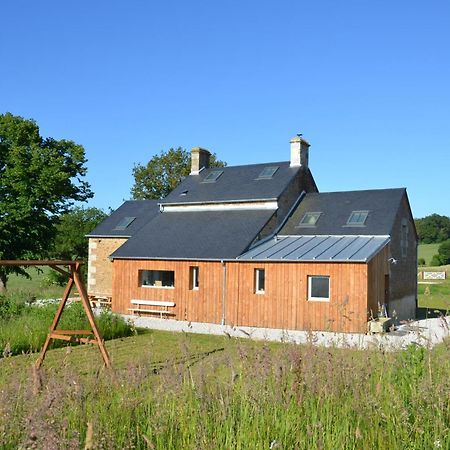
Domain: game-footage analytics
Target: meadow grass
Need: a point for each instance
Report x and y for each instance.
(427, 251)
(24, 327)
(182, 391)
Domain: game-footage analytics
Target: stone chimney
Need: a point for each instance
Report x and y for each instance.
(199, 160)
(299, 152)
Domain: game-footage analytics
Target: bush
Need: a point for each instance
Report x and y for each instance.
(444, 252)
(421, 261)
(435, 261)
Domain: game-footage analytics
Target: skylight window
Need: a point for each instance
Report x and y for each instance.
(267, 173)
(124, 223)
(212, 176)
(309, 219)
(357, 218)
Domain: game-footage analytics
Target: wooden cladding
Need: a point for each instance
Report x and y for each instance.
(226, 293)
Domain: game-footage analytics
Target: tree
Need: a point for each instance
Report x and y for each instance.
(163, 173)
(70, 241)
(433, 228)
(444, 253)
(40, 178)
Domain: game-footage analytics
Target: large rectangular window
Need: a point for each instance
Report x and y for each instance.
(319, 288)
(157, 278)
(193, 277)
(260, 281)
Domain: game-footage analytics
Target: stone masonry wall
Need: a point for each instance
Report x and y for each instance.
(100, 268)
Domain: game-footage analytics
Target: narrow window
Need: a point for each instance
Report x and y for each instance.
(404, 238)
(157, 278)
(193, 277)
(357, 218)
(309, 219)
(260, 281)
(319, 288)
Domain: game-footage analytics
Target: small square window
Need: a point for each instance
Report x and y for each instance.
(193, 278)
(357, 218)
(319, 288)
(260, 281)
(212, 176)
(309, 219)
(124, 223)
(267, 173)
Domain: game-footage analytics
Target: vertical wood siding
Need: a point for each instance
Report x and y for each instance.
(283, 305)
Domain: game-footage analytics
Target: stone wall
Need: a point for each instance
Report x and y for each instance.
(100, 268)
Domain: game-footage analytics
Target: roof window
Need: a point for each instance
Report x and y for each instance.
(184, 193)
(212, 176)
(124, 223)
(267, 172)
(309, 219)
(357, 218)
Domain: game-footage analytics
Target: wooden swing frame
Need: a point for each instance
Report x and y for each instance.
(74, 278)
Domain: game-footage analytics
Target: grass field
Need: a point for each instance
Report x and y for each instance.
(435, 295)
(183, 391)
(427, 251)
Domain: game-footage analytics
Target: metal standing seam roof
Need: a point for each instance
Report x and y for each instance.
(315, 248)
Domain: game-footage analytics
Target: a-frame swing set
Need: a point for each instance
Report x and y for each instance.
(74, 278)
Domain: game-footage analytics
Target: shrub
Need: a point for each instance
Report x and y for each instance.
(435, 261)
(444, 252)
(421, 261)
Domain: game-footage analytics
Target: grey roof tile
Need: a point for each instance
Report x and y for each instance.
(336, 207)
(143, 211)
(196, 235)
(237, 183)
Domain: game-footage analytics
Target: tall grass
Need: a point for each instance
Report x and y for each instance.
(24, 327)
(241, 396)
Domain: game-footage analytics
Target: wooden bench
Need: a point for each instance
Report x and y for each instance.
(163, 305)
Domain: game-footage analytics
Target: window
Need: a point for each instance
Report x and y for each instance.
(193, 277)
(319, 288)
(260, 281)
(157, 278)
(212, 176)
(404, 238)
(357, 218)
(267, 173)
(309, 219)
(124, 223)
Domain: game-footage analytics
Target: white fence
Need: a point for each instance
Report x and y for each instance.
(434, 275)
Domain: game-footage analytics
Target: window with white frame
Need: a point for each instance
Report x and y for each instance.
(260, 281)
(157, 278)
(193, 277)
(319, 288)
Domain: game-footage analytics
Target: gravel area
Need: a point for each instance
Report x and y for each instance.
(427, 333)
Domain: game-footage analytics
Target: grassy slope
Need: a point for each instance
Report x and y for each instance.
(177, 390)
(427, 251)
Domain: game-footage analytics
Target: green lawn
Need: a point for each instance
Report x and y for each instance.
(437, 294)
(427, 251)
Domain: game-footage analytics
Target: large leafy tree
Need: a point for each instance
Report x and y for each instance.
(163, 173)
(433, 228)
(40, 178)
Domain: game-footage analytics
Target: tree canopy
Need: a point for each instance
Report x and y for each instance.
(433, 229)
(40, 178)
(163, 173)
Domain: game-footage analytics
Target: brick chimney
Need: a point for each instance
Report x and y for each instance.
(299, 152)
(199, 159)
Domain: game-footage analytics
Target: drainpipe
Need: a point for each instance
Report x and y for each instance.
(224, 288)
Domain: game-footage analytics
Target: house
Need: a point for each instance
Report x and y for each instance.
(257, 245)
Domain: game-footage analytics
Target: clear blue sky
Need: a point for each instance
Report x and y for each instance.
(366, 82)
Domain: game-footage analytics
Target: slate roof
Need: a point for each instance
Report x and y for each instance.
(195, 235)
(317, 249)
(143, 211)
(335, 208)
(237, 183)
